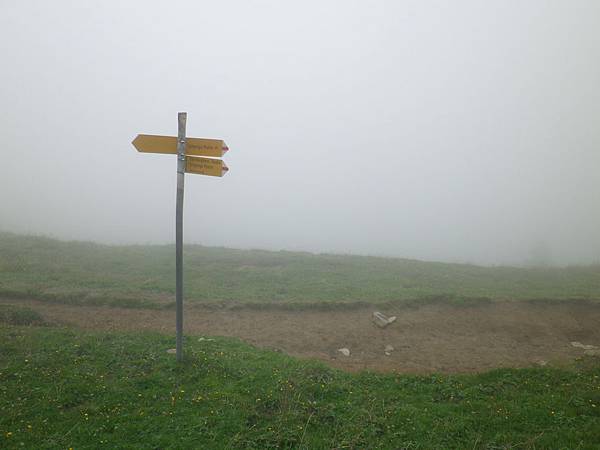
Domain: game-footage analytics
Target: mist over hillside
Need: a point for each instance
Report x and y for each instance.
(457, 132)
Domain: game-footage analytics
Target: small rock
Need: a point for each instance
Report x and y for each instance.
(344, 351)
(388, 350)
(381, 320)
(541, 362)
(172, 351)
(205, 339)
(583, 346)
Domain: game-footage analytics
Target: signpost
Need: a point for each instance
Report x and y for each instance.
(149, 143)
(190, 158)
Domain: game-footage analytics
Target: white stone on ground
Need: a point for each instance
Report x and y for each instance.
(583, 346)
(381, 320)
(344, 351)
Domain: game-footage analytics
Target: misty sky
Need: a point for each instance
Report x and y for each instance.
(456, 131)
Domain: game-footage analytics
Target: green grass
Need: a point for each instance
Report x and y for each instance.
(83, 272)
(19, 315)
(72, 389)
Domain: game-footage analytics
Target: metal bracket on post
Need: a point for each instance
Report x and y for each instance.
(181, 156)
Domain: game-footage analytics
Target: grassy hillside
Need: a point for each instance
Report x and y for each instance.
(70, 389)
(49, 269)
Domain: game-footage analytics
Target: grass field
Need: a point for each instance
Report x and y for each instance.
(82, 272)
(74, 388)
(66, 389)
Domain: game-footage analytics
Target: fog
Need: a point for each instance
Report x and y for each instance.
(452, 131)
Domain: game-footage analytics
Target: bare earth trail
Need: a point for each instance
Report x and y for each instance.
(435, 337)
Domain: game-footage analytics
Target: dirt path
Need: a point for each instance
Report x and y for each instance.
(436, 337)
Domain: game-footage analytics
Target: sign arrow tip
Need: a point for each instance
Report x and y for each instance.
(135, 141)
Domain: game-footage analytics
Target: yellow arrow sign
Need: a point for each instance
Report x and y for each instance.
(149, 143)
(205, 166)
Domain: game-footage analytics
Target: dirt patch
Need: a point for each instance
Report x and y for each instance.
(435, 337)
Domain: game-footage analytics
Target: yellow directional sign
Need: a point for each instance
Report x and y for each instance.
(149, 143)
(205, 166)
